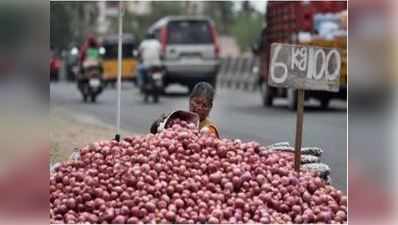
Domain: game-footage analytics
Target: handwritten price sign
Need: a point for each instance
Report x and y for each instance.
(304, 67)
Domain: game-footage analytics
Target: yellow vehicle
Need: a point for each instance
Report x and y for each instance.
(110, 54)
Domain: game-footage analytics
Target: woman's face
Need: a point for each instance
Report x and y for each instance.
(201, 106)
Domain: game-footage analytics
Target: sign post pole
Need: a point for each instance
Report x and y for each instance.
(303, 68)
(299, 129)
(119, 70)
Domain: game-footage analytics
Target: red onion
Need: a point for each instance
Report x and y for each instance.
(119, 219)
(341, 216)
(108, 215)
(213, 220)
(71, 203)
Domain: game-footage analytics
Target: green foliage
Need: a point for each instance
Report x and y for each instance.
(138, 24)
(245, 24)
(222, 14)
(71, 22)
(172, 8)
(246, 28)
(60, 32)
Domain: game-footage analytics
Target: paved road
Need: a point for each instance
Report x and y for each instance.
(238, 114)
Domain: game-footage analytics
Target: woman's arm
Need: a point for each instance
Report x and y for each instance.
(156, 123)
(211, 129)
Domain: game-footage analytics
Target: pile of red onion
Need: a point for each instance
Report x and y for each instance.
(183, 176)
(181, 123)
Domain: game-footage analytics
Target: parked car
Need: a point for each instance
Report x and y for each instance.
(190, 49)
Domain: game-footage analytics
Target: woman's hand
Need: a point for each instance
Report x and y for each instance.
(205, 130)
(156, 123)
(209, 130)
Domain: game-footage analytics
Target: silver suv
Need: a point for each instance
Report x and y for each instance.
(190, 49)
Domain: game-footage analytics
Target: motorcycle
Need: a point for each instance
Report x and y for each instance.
(90, 81)
(153, 83)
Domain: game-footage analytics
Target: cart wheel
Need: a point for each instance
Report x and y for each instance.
(325, 103)
(267, 94)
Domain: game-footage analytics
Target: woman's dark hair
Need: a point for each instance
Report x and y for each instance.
(203, 89)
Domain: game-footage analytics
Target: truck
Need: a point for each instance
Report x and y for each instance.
(318, 23)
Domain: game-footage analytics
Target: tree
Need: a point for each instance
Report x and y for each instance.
(246, 7)
(222, 14)
(71, 22)
(138, 24)
(60, 30)
(247, 26)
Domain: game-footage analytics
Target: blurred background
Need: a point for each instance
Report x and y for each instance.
(52, 119)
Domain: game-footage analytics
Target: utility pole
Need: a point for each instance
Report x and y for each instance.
(187, 7)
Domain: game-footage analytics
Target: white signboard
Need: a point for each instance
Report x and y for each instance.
(304, 67)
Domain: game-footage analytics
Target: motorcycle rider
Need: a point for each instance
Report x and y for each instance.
(149, 54)
(89, 80)
(89, 50)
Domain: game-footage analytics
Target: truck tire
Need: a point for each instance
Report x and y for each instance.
(267, 94)
(292, 99)
(325, 103)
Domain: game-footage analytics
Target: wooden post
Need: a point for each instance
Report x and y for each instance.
(298, 66)
(299, 129)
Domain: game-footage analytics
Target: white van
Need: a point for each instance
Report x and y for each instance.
(190, 49)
